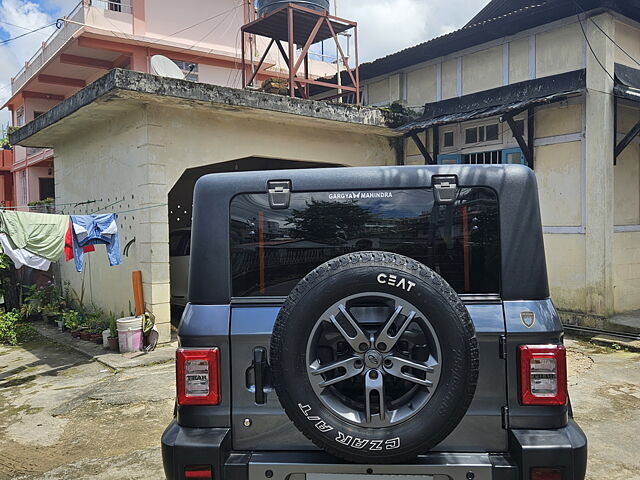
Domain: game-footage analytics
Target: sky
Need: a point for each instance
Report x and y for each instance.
(384, 27)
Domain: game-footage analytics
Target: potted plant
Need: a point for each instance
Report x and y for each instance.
(72, 322)
(85, 333)
(113, 333)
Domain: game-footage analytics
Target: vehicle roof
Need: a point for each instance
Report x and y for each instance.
(523, 269)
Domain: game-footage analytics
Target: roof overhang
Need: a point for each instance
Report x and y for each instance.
(499, 101)
(627, 83)
(118, 91)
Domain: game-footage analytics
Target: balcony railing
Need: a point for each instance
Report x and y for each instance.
(60, 37)
(49, 47)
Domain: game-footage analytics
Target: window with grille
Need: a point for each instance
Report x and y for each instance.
(483, 158)
(20, 117)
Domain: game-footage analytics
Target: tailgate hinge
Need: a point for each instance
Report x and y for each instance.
(505, 417)
(445, 189)
(503, 346)
(279, 193)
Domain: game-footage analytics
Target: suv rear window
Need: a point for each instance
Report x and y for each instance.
(272, 249)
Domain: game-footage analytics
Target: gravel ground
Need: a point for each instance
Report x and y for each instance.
(63, 416)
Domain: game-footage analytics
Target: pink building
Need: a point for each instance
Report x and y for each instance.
(201, 36)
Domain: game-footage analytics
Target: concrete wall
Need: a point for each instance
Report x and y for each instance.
(628, 37)
(138, 159)
(34, 174)
(482, 70)
(164, 17)
(626, 270)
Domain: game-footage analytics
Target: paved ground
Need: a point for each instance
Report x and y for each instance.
(64, 416)
(604, 385)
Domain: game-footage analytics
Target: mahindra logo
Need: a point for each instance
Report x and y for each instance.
(359, 195)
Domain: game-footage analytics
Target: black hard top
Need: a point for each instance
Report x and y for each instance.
(523, 274)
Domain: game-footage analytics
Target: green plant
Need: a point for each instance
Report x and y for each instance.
(46, 201)
(4, 142)
(12, 331)
(71, 319)
(113, 325)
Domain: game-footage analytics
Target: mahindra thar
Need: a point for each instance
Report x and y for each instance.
(376, 323)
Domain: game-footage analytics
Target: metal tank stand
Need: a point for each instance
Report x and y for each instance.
(300, 26)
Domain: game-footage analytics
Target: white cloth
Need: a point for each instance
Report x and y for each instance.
(21, 257)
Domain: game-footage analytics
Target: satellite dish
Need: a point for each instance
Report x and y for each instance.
(163, 66)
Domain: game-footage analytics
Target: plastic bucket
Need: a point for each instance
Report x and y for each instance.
(130, 334)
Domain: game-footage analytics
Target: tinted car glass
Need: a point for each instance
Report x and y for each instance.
(272, 249)
(179, 243)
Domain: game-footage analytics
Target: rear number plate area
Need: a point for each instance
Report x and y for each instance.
(346, 476)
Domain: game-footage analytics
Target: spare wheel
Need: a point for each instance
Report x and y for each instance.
(374, 357)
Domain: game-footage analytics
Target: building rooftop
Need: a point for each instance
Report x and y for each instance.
(498, 19)
(98, 101)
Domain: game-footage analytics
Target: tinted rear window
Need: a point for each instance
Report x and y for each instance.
(271, 250)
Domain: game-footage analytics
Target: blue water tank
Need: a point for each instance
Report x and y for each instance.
(267, 6)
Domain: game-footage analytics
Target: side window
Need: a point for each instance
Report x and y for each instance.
(179, 243)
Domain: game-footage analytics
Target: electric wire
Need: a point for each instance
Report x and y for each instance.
(606, 34)
(584, 34)
(14, 25)
(4, 42)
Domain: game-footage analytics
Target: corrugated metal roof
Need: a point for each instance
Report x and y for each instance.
(496, 101)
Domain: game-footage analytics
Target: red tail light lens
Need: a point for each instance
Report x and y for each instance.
(546, 474)
(198, 376)
(543, 375)
(198, 471)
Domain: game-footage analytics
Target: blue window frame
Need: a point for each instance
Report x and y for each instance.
(513, 155)
(449, 159)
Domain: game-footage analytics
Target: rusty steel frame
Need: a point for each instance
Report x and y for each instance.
(302, 83)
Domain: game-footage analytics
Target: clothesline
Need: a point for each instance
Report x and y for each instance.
(36, 239)
(95, 211)
(76, 204)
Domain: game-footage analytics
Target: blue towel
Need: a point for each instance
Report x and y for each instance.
(96, 230)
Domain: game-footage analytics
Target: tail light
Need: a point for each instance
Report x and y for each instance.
(198, 376)
(546, 474)
(198, 472)
(543, 375)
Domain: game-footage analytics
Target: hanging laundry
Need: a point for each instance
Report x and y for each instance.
(96, 230)
(22, 257)
(41, 234)
(68, 244)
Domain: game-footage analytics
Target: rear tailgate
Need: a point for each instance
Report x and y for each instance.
(265, 426)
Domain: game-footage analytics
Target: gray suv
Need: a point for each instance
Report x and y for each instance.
(370, 323)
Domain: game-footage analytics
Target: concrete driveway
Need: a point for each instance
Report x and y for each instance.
(64, 416)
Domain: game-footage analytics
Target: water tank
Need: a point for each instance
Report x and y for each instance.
(267, 6)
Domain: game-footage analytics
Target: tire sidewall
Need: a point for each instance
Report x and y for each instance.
(443, 309)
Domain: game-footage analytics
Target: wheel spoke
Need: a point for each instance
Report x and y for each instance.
(373, 384)
(399, 368)
(359, 339)
(349, 365)
(385, 342)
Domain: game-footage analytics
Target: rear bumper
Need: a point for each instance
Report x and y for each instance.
(564, 448)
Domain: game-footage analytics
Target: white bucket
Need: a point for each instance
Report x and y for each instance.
(130, 334)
